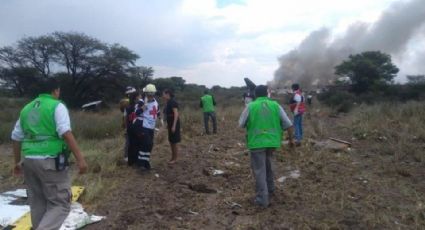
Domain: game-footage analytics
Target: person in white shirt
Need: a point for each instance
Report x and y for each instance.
(149, 113)
(42, 135)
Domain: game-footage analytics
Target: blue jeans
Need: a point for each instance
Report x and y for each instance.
(298, 126)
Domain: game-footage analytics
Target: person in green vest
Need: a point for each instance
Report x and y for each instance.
(42, 135)
(208, 106)
(265, 120)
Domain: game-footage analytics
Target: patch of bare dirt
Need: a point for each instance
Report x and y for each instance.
(336, 189)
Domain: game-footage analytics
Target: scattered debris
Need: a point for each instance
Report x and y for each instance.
(178, 218)
(281, 179)
(233, 204)
(333, 145)
(156, 175)
(382, 138)
(217, 172)
(11, 211)
(16, 193)
(213, 172)
(92, 106)
(201, 188)
(231, 163)
(78, 218)
(341, 141)
(293, 174)
(193, 213)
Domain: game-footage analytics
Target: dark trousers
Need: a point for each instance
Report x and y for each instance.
(144, 152)
(140, 144)
(207, 116)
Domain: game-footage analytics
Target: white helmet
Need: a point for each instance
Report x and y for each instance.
(130, 90)
(150, 88)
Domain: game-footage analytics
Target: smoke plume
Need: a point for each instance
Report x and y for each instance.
(313, 61)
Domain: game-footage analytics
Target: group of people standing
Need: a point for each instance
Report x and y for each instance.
(140, 113)
(139, 120)
(43, 140)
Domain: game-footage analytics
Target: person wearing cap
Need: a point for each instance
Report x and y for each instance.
(123, 105)
(207, 104)
(297, 106)
(149, 112)
(130, 126)
(43, 136)
(264, 120)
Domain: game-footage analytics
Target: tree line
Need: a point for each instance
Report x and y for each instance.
(369, 78)
(87, 68)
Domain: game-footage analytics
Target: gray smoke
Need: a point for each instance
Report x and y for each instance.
(313, 62)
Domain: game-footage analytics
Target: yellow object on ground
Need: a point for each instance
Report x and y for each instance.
(24, 223)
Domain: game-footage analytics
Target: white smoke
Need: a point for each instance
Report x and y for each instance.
(313, 61)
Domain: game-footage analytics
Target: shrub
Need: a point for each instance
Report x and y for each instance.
(340, 101)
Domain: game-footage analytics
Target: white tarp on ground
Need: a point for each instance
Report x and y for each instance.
(78, 218)
(10, 213)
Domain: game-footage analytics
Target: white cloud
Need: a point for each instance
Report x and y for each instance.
(194, 39)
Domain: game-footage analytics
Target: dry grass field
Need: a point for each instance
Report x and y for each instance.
(376, 184)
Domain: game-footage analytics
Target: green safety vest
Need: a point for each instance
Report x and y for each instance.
(263, 126)
(38, 124)
(207, 103)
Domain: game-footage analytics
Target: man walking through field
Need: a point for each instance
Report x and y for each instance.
(264, 120)
(43, 134)
(207, 104)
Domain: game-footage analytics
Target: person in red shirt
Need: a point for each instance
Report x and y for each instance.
(297, 107)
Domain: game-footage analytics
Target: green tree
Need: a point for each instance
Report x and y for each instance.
(89, 68)
(368, 70)
(37, 52)
(141, 75)
(415, 79)
(15, 73)
(174, 83)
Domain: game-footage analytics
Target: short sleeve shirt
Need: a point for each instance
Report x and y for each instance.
(168, 111)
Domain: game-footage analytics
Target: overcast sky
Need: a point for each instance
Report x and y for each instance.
(211, 42)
